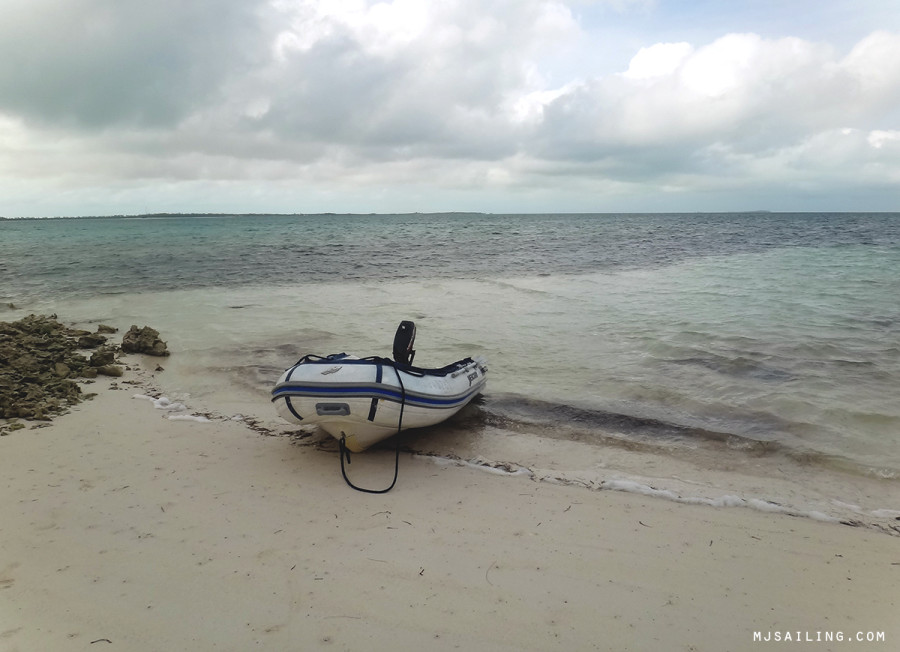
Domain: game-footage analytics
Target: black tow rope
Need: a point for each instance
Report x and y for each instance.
(345, 452)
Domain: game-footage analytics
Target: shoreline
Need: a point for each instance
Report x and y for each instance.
(127, 529)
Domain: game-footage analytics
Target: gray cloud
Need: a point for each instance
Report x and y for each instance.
(97, 63)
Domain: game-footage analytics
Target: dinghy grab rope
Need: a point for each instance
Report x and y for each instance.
(345, 452)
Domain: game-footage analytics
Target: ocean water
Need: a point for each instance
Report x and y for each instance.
(723, 358)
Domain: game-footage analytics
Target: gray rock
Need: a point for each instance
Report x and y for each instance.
(110, 370)
(144, 340)
(91, 340)
(103, 356)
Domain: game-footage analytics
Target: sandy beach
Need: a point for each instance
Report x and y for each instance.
(121, 529)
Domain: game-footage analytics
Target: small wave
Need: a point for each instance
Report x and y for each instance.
(632, 486)
(175, 411)
(199, 418)
(879, 519)
(162, 402)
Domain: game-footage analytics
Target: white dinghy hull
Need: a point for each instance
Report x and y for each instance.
(364, 401)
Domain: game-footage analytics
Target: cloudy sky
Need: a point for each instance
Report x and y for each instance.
(127, 106)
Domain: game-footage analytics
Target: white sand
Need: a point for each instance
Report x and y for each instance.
(123, 530)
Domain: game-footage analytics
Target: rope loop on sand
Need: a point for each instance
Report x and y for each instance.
(345, 452)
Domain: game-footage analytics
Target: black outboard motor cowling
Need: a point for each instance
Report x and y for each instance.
(404, 341)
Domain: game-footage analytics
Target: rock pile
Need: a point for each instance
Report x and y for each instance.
(143, 340)
(40, 360)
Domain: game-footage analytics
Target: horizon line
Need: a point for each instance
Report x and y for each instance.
(427, 213)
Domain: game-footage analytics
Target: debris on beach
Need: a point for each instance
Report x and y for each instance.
(41, 361)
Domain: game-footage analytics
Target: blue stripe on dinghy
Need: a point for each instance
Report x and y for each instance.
(364, 391)
(367, 390)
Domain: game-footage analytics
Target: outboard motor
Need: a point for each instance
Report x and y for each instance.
(404, 341)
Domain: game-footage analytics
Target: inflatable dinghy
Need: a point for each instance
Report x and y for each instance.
(362, 401)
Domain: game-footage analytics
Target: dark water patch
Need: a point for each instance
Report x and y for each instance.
(518, 414)
(264, 374)
(561, 421)
(511, 412)
(738, 367)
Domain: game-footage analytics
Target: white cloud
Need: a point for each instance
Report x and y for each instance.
(880, 139)
(743, 89)
(658, 60)
(380, 29)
